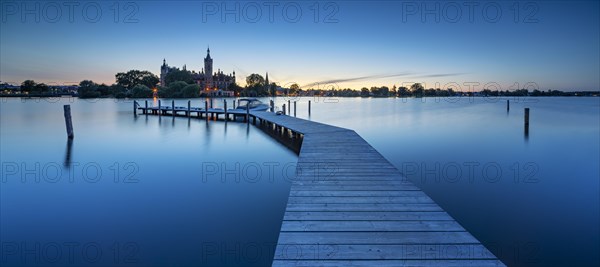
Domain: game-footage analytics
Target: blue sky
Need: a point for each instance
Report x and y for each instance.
(548, 45)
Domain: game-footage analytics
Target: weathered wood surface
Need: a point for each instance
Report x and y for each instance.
(349, 206)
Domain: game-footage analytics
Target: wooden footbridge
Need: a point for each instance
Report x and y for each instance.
(349, 206)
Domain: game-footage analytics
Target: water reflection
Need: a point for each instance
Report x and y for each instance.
(67, 162)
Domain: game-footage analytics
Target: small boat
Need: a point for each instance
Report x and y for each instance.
(253, 104)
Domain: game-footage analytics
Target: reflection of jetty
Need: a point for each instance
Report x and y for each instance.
(349, 206)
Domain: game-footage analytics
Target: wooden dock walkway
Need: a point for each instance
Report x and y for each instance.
(349, 206)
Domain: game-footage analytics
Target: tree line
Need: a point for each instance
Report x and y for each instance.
(180, 84)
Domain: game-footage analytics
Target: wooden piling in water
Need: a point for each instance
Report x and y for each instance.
(206, 109)
(295, 108)
(159, 108)
(272, 105)
(248, 112)
(309, 107)
(173, 108)
(507, 105)
(68, 122)
(283, 109)
(146, 107)
(134, 108)
(225, 109)
(526, 121)
(189, 111)
(289, 105)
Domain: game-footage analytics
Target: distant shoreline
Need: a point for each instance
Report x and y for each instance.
(580, 94)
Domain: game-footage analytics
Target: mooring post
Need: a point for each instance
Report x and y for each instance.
(272, 105)
(211, 102)
(146, 107)
(309, 107)
(234, 103)
(225, 109)
(507, 105)
(289, 105)
(283, 109)
(206, 109)
(189, 113)
(248, 112)
(68, 122)
(295, 108)
(159, 108)
(134, 108)
(173, 108)
(526, 120)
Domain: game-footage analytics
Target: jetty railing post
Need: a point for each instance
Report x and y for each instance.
(159, 108)
(68, 122)
(146, 107)
(526, 121)
(295, 108)
(189, 112)
(507, 105)
(173, 108)
(206, 109)
(309, 107)
(225, 109)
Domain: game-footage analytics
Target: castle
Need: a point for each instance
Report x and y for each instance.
(206, 79)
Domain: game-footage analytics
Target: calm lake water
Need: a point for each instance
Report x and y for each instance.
(150, 191)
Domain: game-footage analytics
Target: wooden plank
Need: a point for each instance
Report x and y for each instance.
(333, 193)
(428, 213)
(359, 200)
(370, 226)
(386, 263)
(381, 252)
(361, 207)
(376, 238)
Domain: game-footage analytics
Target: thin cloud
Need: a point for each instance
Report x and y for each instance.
(380, 76)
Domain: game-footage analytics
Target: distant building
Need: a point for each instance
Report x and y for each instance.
(208, 81)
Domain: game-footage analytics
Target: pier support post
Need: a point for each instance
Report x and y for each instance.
(68, 122)
(146, 107)
(206, 109)
(507, 105)
(189, 112)
(225, 109)
(526, 121)
(295, 108)
(173, 108)
(308, 107)
(159, 108)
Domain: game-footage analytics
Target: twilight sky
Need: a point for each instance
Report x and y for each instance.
(510, 44)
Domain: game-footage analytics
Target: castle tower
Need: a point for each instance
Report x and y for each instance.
(208, 73)
(164, 69)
